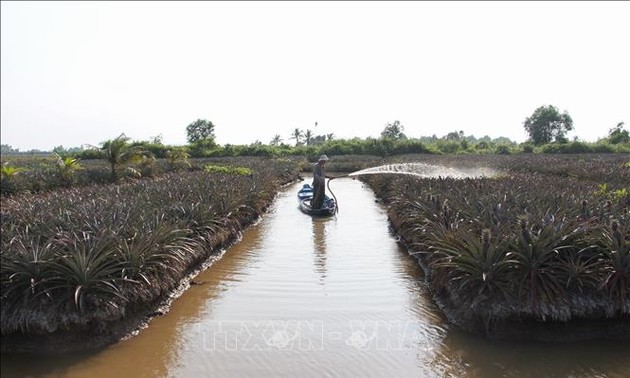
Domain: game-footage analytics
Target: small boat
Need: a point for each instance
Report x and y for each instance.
(305, 195)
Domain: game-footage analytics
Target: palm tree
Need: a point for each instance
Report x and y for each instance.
(297, 135)
(119, 153)
(276, 140)
(308, 137)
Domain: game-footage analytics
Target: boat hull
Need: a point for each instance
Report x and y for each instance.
(305, 196)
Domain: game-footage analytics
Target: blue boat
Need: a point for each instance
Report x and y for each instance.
(305, 195)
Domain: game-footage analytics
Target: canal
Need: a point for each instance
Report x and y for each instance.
(328, 297)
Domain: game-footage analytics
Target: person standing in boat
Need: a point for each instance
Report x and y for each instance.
(319, 187)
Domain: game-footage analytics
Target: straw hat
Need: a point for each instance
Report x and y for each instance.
(323, 158)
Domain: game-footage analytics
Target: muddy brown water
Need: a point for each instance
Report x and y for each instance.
(332, 297)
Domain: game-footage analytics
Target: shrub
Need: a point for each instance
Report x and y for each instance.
(502, 150)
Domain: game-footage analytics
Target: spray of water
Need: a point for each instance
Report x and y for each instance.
(426, 170)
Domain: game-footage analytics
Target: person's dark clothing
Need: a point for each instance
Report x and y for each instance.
(319, 188)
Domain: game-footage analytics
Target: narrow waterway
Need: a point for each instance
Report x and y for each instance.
(337, 297)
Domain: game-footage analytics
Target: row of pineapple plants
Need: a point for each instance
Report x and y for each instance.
(45, 173)
(593, 167)
(525, 244)
(83, 258)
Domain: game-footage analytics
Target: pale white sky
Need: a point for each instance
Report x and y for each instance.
(77, 73)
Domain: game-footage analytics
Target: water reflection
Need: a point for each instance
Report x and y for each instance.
(319, 244)
(22, 365)
(491, 358)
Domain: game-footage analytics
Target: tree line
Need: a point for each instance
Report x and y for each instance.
(547, 128)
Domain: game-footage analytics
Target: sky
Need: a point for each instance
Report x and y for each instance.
(79, 73)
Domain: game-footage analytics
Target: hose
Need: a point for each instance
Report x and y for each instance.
(333, 194)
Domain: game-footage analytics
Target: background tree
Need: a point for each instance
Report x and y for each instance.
(308, 137)
(156, 139)
(276, 141)
(317, 140)
(547, 124)
(297, 135)
(618, 135)
(7, 149)
(200, 130)
(393, 131)
(455, 135)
